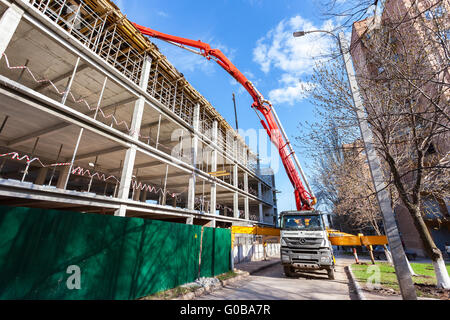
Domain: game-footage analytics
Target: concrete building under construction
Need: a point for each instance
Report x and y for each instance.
(95, 119)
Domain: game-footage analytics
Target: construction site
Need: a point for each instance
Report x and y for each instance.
(120, 181)
(95, 119)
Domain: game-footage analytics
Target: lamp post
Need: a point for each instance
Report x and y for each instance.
(398, 254)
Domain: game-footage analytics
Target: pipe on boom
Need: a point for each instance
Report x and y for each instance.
(304, 199)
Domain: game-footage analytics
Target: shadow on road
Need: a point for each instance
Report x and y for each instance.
(311, 275)
(277, 273)
(271, 284)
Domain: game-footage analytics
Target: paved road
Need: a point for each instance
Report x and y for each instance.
(272, 284)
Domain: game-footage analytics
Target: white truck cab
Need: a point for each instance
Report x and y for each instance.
(305, 244)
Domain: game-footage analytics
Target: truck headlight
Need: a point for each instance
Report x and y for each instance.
(285, 258)
(325, 259)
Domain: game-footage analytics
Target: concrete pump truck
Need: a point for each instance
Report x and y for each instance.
(304, 240)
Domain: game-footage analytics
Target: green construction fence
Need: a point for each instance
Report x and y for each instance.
(117, 258)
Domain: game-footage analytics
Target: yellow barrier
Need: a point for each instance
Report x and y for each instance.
(256, 231)
(345, 241)
(337, 238)
(352, 241)
(268, 234)
(374, 240)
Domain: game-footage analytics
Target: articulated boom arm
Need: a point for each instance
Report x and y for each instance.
(304, 199)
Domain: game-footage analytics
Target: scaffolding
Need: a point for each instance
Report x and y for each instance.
(100, 26)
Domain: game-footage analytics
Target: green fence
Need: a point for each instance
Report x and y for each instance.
(118, 258)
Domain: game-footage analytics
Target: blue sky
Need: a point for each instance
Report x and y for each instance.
(257, 37)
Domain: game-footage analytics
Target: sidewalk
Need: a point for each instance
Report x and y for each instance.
(256, 266)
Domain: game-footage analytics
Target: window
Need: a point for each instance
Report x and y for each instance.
(431, 150)
(392, 39)
(397, 57)
(300, 222)
(431, 208)
(411, 102)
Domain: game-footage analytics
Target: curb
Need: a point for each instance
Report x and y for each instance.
(359, 292)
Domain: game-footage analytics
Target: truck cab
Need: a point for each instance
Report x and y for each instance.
(304, 243)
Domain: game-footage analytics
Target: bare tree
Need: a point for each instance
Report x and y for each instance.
(350, 11)
(357, 194)
(341, 177)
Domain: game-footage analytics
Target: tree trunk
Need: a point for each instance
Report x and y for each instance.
(371, 254)
(411, 270)
(388, 255)
(442, 277)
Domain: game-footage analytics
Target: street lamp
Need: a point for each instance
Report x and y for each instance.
(299, 34)
(398, 254)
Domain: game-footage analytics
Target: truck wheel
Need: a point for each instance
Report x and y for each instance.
(288, 272)
(331, 273)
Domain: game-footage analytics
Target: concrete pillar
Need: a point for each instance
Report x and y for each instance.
(384, 199)
(8, 24)
(137, 193)
(174, 202)
(191, 192)
(213, 194)
(260, 195)
(63, 176)
(163, 200)
(144, 195)
(235, 183)
(194, 147)
(258, 172)
(130, 156)
(190, 220)
(246, 200)
(42, 176)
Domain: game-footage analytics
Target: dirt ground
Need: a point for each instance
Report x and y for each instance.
(431, 290)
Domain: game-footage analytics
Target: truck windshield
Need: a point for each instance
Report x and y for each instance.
(302, 223)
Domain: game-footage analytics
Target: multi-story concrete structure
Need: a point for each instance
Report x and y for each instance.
(424, 29)
(95, 119)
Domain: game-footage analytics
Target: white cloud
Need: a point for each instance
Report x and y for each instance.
(162, 14)
(281, 50)
(293, 90)
(278, 50)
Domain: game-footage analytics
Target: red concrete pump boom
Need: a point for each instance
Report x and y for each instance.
(305, 199)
